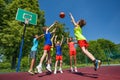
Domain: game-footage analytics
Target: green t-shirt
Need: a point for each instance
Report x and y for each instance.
(78, 33)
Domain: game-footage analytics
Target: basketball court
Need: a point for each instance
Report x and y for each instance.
(86, 73)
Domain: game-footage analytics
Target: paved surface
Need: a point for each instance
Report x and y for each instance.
(87, 73)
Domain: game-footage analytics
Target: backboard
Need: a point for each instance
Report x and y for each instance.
(23, 14)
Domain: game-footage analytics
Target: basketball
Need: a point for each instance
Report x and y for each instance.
(62, 15)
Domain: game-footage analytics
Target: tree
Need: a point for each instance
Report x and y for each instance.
(8, 1)
(2, 7)
(13, 30)
(110, 48)
(96, 50)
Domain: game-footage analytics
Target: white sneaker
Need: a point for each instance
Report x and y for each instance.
(71, 69)
(60, 70)
(55, 71)
(76, 69)
(49, 68)
(39, 69)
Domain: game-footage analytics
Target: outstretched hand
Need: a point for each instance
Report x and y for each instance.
(56, 36)
(70, 14)
(72, 19)
(56, 22)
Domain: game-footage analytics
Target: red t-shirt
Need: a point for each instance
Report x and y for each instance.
(71, 46)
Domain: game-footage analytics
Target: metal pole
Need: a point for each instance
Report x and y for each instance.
(21, 47)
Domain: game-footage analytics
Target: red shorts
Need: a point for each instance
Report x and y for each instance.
(72, 53)
(47, 47)
(58, 57)
(83, 43)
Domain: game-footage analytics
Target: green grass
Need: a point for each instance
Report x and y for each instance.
(7, 69)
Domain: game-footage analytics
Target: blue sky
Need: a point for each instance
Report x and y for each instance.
(102, 16)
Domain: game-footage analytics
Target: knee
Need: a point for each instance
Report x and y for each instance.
(74, 59)
(60, 62)
(83, 50)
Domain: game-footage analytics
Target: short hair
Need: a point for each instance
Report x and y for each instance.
(44, 28)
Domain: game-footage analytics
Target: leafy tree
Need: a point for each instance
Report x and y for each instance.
(96, 50)
(2, 7)
(8, 1)
(13, 30)
(108, 45)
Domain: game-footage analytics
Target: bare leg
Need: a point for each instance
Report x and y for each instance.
(88, 54)
(60, 63)
(39, 67)
(49, 58)
(60, 69)
(70, 61)
(32, 64)
(97, 63)
(56, 63)
(75, 62)
(43, 56)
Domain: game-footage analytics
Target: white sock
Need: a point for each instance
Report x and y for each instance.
(60, 68)
(48, 65)
(40, 65)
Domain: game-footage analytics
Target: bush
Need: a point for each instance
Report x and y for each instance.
(5, 65)
(25, 62)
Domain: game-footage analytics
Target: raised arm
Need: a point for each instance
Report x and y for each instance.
(53, 31)
(67, 40)
(52, 25)
(55, 39)
(40, 36)
(62, 40)
(72, 19)
(52, 39)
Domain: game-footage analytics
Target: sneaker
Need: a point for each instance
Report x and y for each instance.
(49, 68)
(60, 70)
(35, 71)
(55, 71)
(31, 72)
(71, 69)
(76, 69)
(97, 64)
(39, 69)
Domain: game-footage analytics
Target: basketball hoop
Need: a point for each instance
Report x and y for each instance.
(28, 18)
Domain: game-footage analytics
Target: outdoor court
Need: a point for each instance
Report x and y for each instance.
(86, 73)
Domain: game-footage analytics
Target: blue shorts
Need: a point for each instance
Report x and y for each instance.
(33, 54)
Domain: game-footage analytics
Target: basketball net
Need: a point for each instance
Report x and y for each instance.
(26, 21)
